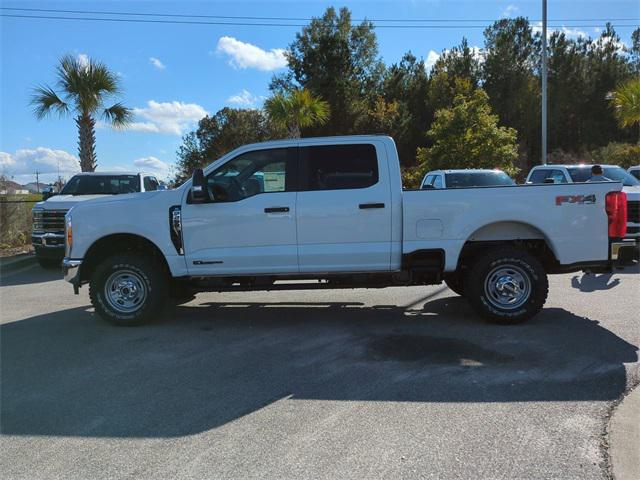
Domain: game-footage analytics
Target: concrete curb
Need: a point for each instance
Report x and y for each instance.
(16, 262)
(624, 438)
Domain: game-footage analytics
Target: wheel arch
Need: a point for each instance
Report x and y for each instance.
(118, 243)
(514, 233)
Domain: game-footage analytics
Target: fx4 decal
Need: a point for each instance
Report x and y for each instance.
(581, 199)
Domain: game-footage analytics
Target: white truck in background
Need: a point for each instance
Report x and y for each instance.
(332, 210)
(47, 231)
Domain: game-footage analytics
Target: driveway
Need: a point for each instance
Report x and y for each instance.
(391, 383)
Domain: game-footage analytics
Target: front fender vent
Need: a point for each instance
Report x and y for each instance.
(175, 227)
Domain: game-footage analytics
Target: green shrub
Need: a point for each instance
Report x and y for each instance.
(624, 154)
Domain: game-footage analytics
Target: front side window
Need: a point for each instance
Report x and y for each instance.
(252, 173)
(338, 167)
(437, 182)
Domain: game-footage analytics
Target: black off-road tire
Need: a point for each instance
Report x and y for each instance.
(150, 271)
(505, 257)
(455, 283)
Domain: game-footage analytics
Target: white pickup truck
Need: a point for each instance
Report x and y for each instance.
(47, 235)
(331, 213)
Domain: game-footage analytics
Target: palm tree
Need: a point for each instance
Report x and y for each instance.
(85, 86)
(626, 103)
(295, 110)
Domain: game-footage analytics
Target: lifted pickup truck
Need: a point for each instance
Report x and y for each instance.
(331, 213)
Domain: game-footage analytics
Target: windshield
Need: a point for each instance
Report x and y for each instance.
(478, 179)
(617, 174)
(101, 185)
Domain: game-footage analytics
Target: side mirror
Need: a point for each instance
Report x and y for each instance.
(198, 186)
(48, 193)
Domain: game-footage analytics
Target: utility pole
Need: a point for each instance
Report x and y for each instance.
(544, 83)
(37, 182)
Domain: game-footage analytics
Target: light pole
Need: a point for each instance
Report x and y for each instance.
(544, 83)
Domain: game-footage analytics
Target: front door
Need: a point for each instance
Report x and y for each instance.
(248, 224)
(344, 208)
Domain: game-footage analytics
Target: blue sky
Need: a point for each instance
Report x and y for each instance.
(174, 74)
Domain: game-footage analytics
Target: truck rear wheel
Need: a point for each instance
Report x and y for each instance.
(128, 289)
(507, 285)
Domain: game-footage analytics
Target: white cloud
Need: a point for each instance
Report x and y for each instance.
(23, 164)
(243, 99)
(83, 60)
(432, 58)
(573, 32)
(152, 165)
(172, 118)
(245, 55)
(157, 63)
(569, 32)
(510, 10)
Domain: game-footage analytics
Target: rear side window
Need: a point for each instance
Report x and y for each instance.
(538, 176)
(548, 176)
(427, 181)
(338, 167)
(150, 184)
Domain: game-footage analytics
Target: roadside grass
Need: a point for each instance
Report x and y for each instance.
(15, 221)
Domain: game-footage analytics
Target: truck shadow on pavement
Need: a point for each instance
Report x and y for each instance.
(201, 366)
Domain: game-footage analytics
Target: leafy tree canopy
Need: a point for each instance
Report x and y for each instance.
(467, 135)
(217, 135)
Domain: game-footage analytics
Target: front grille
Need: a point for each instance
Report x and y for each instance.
(48, 221)
(633, 211)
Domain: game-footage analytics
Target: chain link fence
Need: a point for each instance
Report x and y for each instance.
(15, 219)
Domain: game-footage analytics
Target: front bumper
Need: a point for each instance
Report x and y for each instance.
(71, 271)
(48, 245)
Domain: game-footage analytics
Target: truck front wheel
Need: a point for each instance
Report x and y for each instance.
(455, 283)
(507, 285)
(128, 289)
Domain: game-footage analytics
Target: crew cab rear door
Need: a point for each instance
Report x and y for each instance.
(344, 208)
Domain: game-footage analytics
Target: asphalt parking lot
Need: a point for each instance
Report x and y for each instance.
(394, 383)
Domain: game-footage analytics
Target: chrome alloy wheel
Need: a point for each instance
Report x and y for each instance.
(125, 291)
(507, 287)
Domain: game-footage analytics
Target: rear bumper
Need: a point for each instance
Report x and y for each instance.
(624, 251)
(71, 271)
